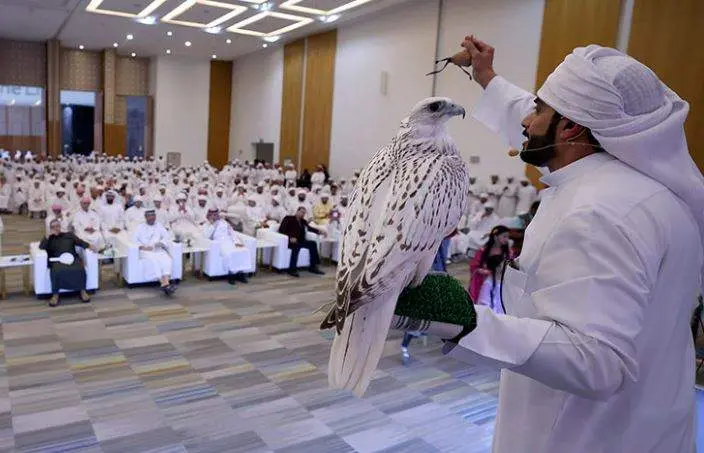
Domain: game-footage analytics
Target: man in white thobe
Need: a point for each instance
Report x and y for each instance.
(200, 211)
(134, 215)
(86, 224)
(494, 188)
(112, 218)
(5, 194)
(595, 348)
(480, 225)
(318, 177)
(153, 242)
(291, 175)
(254, 218)
(507, 202)
(57, 214)
(36, 202)
(526, 196)
(232, 249)
(183, 220)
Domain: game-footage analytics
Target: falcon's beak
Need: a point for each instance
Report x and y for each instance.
(458, 110)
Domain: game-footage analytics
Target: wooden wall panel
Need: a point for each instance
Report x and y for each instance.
(568, 24)
(219, 112)
(53, 98)
(81, 70)
(317, 107)
(131, 76)
(23, 63)
(291, 101)
(115, 136)
(667, 36)
(572, 23)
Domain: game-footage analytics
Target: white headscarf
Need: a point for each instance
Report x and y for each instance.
(635, 117)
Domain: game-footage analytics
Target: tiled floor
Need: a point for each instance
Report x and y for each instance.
(217, 369)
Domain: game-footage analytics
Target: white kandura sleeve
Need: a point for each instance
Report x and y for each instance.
(502, 108)
(594, 278)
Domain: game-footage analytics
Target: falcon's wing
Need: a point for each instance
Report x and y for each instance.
(422, 203)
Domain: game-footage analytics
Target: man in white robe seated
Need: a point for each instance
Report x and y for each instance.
(162, 215)
(19, 194)
(200, 211)
(526, 196)
(153, 242)
(62, 200)
(36, 203)
(481, 224)
(5, 194)
(86, 224)
(112, 218)
(232, 249)
(183, 220)
(134, 215)
(57, 214)
(275, 213)
(220, 200)
(254, 218)
(459, 243)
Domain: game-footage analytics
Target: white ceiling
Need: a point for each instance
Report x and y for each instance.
(69, 21)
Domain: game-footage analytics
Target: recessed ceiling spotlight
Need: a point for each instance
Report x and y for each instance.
(272, 38)
(130, 37)
(265, 45)
(214, 56)
(169, 33)
(115, 44)
(39, 102)
(168, 51)
(329, 19)
(81, 47)
(134, 54)
(187, 43)
(213, 30)
(228, 40)
(149, 20)
(266, 6)
(12, 102)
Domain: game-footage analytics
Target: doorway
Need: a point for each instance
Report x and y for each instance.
(77, 122)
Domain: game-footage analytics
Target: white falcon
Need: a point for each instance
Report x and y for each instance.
(409, 197)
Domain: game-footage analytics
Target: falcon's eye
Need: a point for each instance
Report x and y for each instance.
(434, 107)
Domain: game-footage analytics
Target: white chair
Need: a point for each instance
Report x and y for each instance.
(132, 267)
(42, 276)
(279, 257)
(215, 266)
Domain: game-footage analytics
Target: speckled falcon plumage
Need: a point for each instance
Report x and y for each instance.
(408, 198)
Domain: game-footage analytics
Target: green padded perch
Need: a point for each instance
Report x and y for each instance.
(439, 298)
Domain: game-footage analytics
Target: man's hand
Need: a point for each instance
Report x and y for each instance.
(90, 230)
(482, 60)
(239, 246)
(146, 248)
(114, 230)
(294, 241)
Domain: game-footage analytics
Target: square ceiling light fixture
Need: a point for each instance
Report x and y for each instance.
(93, 7)
(294, 5)
(297, 22)
(234, 10)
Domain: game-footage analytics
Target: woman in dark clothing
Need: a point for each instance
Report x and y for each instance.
(64, 276)
(304, 179)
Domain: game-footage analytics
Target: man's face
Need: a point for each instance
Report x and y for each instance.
(150, 218)
(494, 179)
(300, 213)
(157, 204)
(252, 203)
(202, 203)
(110, 198)
(524, 183)
(57, 212)
(324, 199)
(55, 228)
(488, 211)
(139, 203)
(85, 205)
(344, 202)
(540, 129)
(212, 216)
(260, 189)
(302, 197)
(472, 179)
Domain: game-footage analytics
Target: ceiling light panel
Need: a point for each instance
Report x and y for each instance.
(262, 24)
(199, 13)
(324, 7)
(94, 7)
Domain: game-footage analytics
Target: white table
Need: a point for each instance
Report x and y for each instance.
(9, 261)
(262, 245)
(193, 249)
(113, 253)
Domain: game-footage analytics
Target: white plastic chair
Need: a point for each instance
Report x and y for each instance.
(132, 268)
(279, 257)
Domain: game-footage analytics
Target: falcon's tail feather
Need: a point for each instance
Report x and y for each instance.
(356, 351)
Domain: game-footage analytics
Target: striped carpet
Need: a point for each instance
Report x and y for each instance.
(217, 369)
